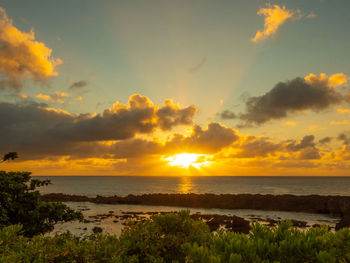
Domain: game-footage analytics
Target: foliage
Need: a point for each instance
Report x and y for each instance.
(9, 156)
(62, 248)
(161, 239)
(20, 204)
(280, 244)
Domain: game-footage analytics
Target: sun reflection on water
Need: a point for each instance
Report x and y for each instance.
(185, 185)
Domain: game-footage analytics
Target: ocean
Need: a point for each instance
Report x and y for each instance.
(124, 185)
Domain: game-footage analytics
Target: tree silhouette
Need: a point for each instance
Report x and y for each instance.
(9, 156)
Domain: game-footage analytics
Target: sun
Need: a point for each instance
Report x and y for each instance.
(186, 160)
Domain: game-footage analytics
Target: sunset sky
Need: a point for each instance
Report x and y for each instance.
(164, 87)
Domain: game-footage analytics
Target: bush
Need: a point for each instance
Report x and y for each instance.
(279, 244)
(63, 248)
(20, 204)
(160, 238)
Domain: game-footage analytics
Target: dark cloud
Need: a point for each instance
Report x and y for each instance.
(345, 138)
(198, 66)
(306, 148)
(78, 86)
(309, 153)
(211, 140)
(134, 148)
(289, 97)
(257, 147)
(227, 115)
(307, 141)
(347, 96)
(251, 147)
(35, 129)
(171, 115)
(325, 140)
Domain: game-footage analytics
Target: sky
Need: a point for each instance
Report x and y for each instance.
(175, 87)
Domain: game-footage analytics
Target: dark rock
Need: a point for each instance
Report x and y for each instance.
(333, 205)
(298, 223)
(97, 230)
(232, 223)
(344, 222)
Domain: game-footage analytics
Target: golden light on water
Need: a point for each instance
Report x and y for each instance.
(187, 160)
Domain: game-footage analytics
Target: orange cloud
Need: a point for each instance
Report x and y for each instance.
(290, 123)
(21, 54)
(332, 81)
(55, 98)
(344, 122)
(23, 96)
(275, 16)
(343, 111)
(311, 16)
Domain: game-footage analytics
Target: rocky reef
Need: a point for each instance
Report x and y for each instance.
(332, 205)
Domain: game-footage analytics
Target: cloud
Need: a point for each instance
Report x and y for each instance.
(227, 115)
(134, 148)
(172, 115)
(78, 86)
(275, 16)
(21, 55)
(253, 146)
(325, 140)
(306, 149)
(343, 111)
(345, 138)
(322, 79)
(262, 147)
(311, 16)
(347, 96)
(54, 98)
(23, 96)
(37, 130)
(343, 122)
(309, 153)
(307, 141)
(211, 140)
(312, 93)
(290, 123)
(198, 66)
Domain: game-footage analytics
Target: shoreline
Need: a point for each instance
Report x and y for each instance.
(316, 204)
(111, 218)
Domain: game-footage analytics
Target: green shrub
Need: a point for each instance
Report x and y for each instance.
(160, 238)
(62, 248)
(20, 204)
(274, 244)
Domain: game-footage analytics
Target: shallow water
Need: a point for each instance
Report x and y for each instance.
(108, 226)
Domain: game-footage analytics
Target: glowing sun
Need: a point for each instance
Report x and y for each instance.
(185, 160)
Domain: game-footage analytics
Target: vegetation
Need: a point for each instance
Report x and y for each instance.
(274, 244)
(20, 204)
(178, 238)
(9, 156)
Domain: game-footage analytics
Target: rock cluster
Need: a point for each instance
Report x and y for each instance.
(332, 205)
